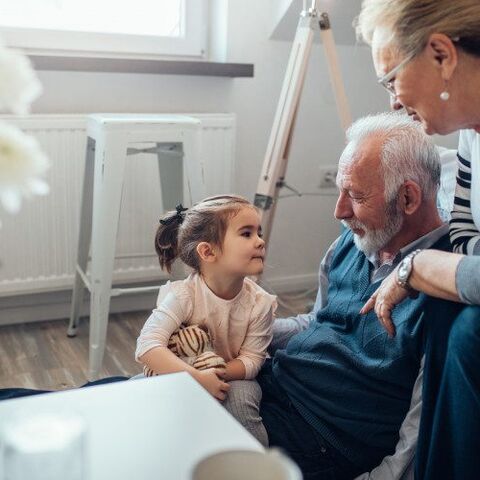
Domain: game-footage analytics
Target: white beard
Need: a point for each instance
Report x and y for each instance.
(372, 240)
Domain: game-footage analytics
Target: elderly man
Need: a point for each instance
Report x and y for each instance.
(338, 388)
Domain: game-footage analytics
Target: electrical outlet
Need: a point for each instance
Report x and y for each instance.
(328, 176)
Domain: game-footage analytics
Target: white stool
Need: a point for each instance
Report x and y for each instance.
(110, 139)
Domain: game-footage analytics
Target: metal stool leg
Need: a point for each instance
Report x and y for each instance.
(84, 238)
(170, 169)
(109, 171)
(193, 165)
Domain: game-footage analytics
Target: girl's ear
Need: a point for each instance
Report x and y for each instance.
(206, 252)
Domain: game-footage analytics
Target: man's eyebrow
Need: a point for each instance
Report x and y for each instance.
(350, 189)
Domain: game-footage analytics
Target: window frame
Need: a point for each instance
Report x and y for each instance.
(193, 44)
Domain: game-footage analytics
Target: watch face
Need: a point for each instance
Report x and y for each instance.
(403, 269)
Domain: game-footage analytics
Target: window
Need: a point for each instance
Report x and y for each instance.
(140, 28)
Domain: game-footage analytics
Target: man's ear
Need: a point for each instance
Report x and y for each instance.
(441, 50)
(410, 197)
(206, 252)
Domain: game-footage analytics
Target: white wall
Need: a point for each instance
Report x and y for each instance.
(304, 227)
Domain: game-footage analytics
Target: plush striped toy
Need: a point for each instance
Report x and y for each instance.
(192, 344)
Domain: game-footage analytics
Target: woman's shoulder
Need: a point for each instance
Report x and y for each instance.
(469, 145)
(469, 135)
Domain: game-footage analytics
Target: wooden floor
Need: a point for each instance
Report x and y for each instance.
(40, 355)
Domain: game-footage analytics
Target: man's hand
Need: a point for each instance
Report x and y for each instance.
(387, 295)
(211, 380)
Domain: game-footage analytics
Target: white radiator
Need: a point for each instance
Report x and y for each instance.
(38, 245)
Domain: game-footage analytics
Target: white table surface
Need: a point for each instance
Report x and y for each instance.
(143, 429)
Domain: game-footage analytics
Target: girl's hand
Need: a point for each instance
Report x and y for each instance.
(211, 380)
(388, 294)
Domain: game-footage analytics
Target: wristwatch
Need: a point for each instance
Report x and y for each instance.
(405, 269)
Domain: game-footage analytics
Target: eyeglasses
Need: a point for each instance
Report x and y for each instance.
(388, 80)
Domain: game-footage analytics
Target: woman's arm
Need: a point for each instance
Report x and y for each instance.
(433, 273)
(468, 280)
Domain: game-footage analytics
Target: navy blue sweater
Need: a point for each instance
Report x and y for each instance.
(344, 375)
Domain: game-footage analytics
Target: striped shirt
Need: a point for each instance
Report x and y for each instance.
(464, 232)
(465, 221)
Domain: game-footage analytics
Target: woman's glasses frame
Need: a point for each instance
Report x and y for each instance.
(388, 80)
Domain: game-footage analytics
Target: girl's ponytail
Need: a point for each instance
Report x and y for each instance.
(166, 238)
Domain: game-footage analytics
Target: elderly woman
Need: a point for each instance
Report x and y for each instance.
(427, 55)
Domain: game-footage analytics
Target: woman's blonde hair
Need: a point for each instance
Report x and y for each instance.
(411, 22)
(182, 230)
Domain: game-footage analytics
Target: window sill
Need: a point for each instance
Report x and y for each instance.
(162, 67)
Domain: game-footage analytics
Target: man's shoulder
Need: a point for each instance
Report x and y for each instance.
(443, 243)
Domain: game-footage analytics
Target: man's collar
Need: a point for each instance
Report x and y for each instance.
(425, 241)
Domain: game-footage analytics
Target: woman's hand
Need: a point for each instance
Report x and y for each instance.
(211, 380)
(387, 295)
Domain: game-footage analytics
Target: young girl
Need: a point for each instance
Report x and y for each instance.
(220, 239)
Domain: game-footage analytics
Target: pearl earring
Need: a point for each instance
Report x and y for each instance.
(444, 95)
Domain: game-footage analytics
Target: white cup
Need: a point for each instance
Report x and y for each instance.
(44, 446)
(247, 465)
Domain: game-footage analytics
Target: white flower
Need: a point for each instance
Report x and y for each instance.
(22, 164)
(19, 85)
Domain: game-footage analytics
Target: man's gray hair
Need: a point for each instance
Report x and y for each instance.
(406, 154)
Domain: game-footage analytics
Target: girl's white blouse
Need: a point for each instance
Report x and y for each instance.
(240, 328)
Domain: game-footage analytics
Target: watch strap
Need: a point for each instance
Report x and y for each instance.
(406, 264)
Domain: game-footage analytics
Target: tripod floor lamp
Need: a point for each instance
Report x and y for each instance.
(272, 177)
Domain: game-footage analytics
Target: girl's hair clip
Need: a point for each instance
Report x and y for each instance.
(178, 217)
